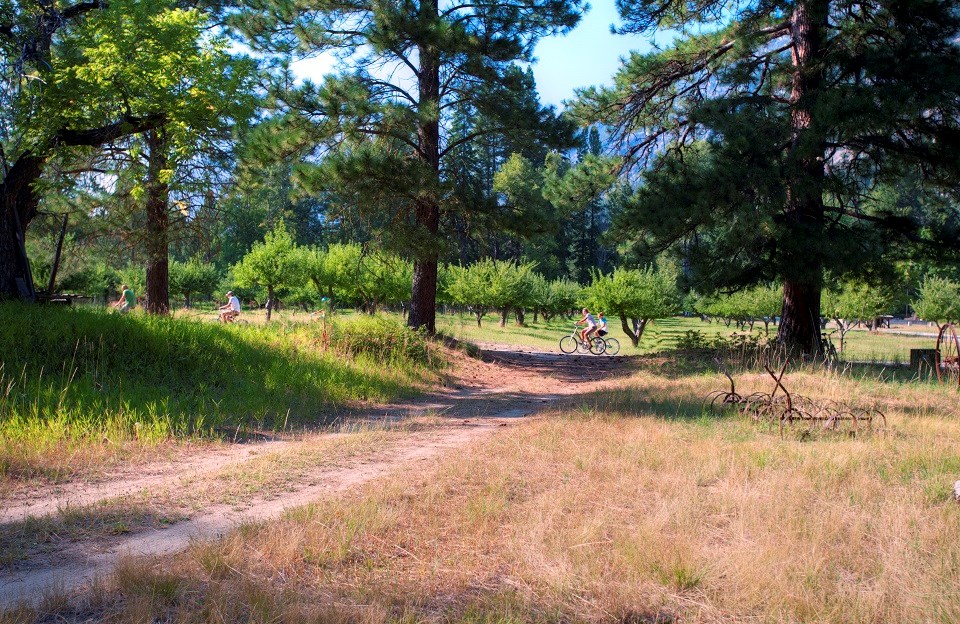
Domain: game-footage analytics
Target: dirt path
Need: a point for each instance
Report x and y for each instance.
(479, 397)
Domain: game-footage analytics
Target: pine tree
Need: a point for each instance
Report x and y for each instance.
(382, 125)
(763, 136)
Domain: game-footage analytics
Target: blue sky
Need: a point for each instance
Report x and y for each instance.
(587, 56)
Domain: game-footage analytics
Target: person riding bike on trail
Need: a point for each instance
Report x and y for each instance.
(590, 322)
(127, 300)
(230, 311)
(601, 324)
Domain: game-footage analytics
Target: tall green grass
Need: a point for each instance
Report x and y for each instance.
(74, 378)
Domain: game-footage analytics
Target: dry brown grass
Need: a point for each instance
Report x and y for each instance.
(634, 506)
(235, 485)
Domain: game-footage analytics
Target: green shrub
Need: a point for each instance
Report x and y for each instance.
(384, 340)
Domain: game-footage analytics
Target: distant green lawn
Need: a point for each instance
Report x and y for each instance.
(662, 335)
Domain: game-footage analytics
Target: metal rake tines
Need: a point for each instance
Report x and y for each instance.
(783, 409)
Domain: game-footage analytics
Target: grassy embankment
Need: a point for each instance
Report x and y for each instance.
(82, 388)
(636, 506)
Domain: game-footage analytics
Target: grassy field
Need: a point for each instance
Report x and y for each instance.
(889, 346)
(662, 335)
(81, 389)
(634, 505)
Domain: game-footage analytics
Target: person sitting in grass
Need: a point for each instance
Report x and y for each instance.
(230, 311)
(591, 325)
(601, 324)
(127, 300)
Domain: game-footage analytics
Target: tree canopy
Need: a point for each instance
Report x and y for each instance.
(383, 125)
(777, 141)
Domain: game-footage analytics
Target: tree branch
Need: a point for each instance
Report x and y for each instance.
(92, 137)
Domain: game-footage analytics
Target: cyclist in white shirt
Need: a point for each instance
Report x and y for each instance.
(590, 322)
(229, 312)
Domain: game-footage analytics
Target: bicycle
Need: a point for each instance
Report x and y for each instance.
(571, 343)
(233, 319)
(829, 350)
(611, 345)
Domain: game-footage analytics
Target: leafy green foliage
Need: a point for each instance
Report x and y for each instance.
(639, 295)
(493, 285)
(351, 274)
(743, 307)
(273, 264)
(386, 341)
(194, 277)
(852, 302)
(938, 300)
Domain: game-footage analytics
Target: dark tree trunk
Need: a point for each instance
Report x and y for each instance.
(536, 313)
(504, 312)
(51, 285)
(18, 201)
(19, 205)
(804, 214)
(479, 316)
(423, 302)
(158, 225)
(633, 329)
(520, 316)
(270, 302)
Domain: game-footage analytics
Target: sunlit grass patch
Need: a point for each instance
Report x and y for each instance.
(80, 388)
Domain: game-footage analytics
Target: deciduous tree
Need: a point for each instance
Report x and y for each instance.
(273, 264)
(635, 296)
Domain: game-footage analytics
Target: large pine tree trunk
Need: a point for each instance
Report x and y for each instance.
(804, 214)
(158, 226)
(423, 302)
(18, 206)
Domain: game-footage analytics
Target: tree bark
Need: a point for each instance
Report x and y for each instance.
(19, 205)
(804, 212)
(51, 285)
(18, 201)
(158, 225)
(269, 301)
(504, 312)
(635, 332)
(520, 317)
(423, 301)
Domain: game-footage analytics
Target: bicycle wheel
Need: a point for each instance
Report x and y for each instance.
(597, 346)
(583, 347)
(568, 344)
(613, 346)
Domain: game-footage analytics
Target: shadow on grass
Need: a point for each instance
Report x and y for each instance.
(89, 374)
